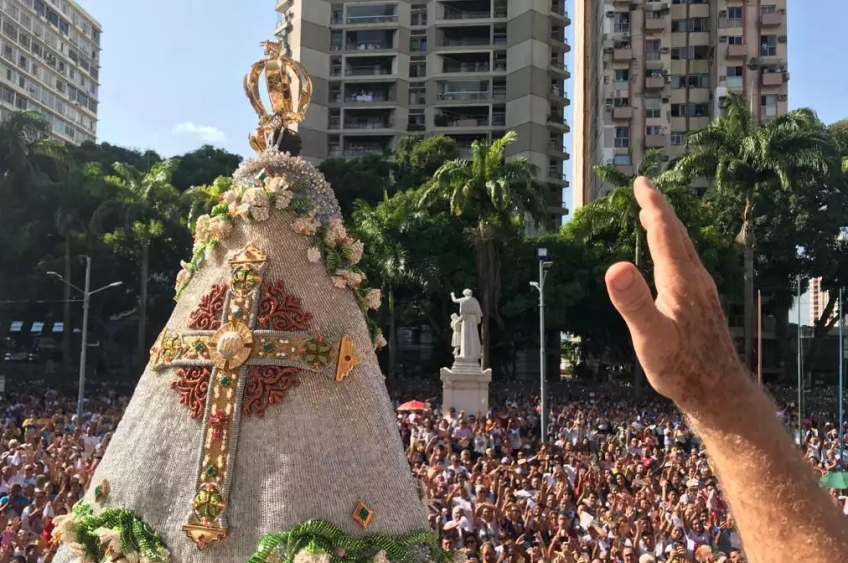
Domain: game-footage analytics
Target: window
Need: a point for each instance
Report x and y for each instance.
(10, 30)
(652, 49)
(768, 9)
(653, 130)
(735, 76)
(653, 108)
(677, 139)
(769, 105)
(698, 81)
(698, 25)
(679, 26)
(417, 69)
(768, 46)
(692, 52)
(653, 15)
(621, 79)
(734, 17)
(622, 137)
(21, 102)
(735, 40)
(622, 22)
(7, 95)
(678, 82)
(621, 160)
(417, 95)
(621, 102)
(418, 44)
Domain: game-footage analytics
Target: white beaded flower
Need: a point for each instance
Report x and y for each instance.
(356, 249)
(374, 298)
(313, 254)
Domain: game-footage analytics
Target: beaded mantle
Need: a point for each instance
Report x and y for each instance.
(240, 370)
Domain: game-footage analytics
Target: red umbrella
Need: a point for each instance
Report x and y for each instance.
(411, 406)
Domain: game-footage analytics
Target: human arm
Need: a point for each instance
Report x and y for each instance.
(688, 355)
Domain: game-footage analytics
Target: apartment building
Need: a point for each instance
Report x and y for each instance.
(469, 69)
(50, 63)
(646, 73)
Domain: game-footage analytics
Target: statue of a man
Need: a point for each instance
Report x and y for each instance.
(470, 316)
(456, 337)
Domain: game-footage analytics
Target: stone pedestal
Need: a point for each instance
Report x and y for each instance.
(465, 387)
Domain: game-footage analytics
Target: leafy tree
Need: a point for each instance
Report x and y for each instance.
(203, 166)
(367, 178)
(145, 202)
(742, 156)
(416, 159)
(489, 194)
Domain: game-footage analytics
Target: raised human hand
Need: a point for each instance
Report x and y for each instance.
(681, 338)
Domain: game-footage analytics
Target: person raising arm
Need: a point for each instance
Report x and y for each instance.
(686, 350)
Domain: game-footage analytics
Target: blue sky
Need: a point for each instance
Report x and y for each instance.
(172, 70)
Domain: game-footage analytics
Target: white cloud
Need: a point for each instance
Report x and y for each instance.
(206, 133)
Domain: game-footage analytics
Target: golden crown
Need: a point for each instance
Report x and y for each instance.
(289, 89)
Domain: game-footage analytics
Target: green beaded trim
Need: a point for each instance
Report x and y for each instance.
(136, 535)
(320, 536)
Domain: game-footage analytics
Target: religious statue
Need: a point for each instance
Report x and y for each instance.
(456, 338)
(470, 316)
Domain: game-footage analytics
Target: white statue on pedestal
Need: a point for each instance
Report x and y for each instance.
(470, 316)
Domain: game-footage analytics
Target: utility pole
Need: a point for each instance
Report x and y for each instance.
(760, 337)
(86, 302)
(542, 255)
(800, 369)
(840, 433)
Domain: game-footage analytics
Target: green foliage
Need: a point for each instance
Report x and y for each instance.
(366, 178)
(135, 536)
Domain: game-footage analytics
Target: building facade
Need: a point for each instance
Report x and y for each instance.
(469, 69)
(50, 63)
(818, 302)
(646, 73)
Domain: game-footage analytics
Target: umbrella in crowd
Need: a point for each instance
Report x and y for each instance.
(412, 406)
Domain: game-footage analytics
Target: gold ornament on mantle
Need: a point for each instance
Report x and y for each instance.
(289, 89)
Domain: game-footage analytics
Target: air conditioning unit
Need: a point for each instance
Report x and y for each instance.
(664, 7)
(722, 78)
(611, 14)
(782, 12)
(781, 97)
(722, 39)
(781, 39)
(606, 79)
(665, 50)
(722, 14)
(625, 35)
(608, 49)
(609, 101)
(665, 100)
(665, 72)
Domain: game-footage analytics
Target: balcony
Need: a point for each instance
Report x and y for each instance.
(364, 97)
(622, 55)
(465, 151)
(560, 42)
(370, 40)
(368, 124)
(462, 122)
(356, 151)
(560, 96)
(561, 68)
(655, 24)
(498, 119)
(452, 66)
(459, 96)
(499, 93)
(737, 51)
(558, 121)
(369, 46)
(499, 39)
(416, 127)
(466, 42)
(774, 19)
(334, 123)
(556, 175)
(368, 70)
(622, 113)
(558, 11)
(363, 20)
(655, 141)
(654, 82)
(626, 169)
(500, 66)
(557, 147)
(773, 79)
(456, 14)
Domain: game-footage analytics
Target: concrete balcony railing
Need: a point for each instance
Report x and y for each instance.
(655, 141)
(369, 98)
(367, 70)
(362, 20)
(737, 51)
(466, 42)
(622, 113)
(369, 46)
(499, 94)
(461, 122)
(622, 55)
(772, 20)
(626, 169)
(773, 78)
(555, 146)
(559, 11)
(465, 67)
(560, 96)
(655, 24)
(556, 175)
(457, 96)
(654, 82)
(562, 68)
(363, 151)
(368, 125)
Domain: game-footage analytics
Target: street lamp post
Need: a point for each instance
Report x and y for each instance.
(86, 301)
(840, 431)
(544, 264)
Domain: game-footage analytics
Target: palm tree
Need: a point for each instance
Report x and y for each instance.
(375, 227)
(489, 193)
(743, 156)
(201, 199)
(145, 201)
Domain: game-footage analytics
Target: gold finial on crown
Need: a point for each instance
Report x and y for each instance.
(281, 71)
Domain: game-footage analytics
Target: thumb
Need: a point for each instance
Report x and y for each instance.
(632, 298)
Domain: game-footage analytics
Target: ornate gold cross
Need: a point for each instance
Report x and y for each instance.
(247, 344)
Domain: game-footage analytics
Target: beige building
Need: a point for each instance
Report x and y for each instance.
(646, 73)
(470, 69)
(818, 302)
(50, 63)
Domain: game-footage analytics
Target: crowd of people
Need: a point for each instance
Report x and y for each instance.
(615, 482)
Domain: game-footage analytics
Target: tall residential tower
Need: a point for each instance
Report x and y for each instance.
(470, 69)
(646, 73)
(50, 63)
